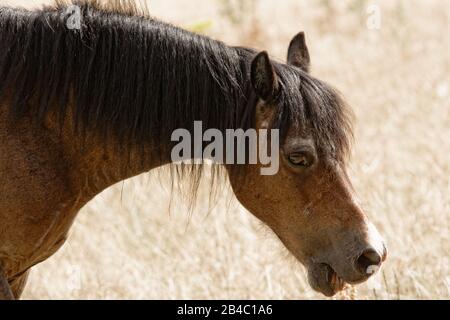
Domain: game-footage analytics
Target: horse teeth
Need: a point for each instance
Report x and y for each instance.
(372, 269)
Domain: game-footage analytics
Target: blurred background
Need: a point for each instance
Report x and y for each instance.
(391, 61)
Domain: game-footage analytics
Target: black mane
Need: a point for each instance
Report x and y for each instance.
(139, 79)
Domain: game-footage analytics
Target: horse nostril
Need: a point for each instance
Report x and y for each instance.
(368, 262)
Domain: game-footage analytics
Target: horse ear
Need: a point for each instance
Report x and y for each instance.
(298, 54)
(263, 77)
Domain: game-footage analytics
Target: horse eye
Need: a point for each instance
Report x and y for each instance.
(299, 159)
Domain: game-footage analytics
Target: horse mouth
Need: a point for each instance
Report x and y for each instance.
(324, 279)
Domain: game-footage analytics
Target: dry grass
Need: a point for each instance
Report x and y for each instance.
(397, 80)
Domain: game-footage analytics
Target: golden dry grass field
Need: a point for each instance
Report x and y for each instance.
(126, 243)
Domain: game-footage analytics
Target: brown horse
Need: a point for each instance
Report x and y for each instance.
(82, 108)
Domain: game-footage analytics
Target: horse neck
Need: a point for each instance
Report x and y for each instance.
(94, 163)
(156, 79)
(98, 163)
